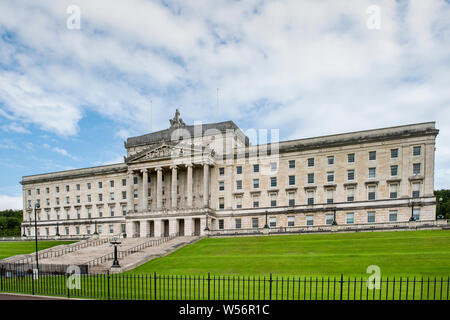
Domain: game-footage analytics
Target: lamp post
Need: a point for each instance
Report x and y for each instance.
(334, 223)
(116, 261)
(441, 216)
(206, 228)
(36, 206)
(266, 226)
(412, 212)
(57, 230)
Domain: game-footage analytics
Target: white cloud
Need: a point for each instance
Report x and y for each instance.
(10, 202)
(14, 127)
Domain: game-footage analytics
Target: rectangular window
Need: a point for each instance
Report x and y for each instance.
(350, 218)
(100, 197)
(221, 185)
(57, 189)
(273, 166)
(99, 229)
(124, 195)
(239, 170)
(238, 202)
(371, 193)
(67, 200)
(89, 186)
(89, 213)
(272, 222)
(78, 187)
(273, 181)
(416, 168)
(238, 223)
(89, 198)
(78, 199)
(67, 188)
(255, 183)
(124, 211)
(310, 195)
(78, 214)
(47, 190)
(372, 155)
(416, 190)
(330, 160)
(330, 196)
(371, 216)
(309, 220)
(221, 224)
(256, 168)
(311, 162)
(351, 158)
(29, 192)
(135, 180)
(238, 184)
(38, 191)
(111, 183)
(273, 200)
(393, 215)
(112, 212)
(255, 201)
(100, 184)
(255, 223)
(291, 180)
(394, 170)
(124, 182)
(111, 229)
(221, 171)
(372, 173)
(221, 203)
(416, 214)
(135, 193)
(417, 151)
(111, 195)
(350, 194)
(291, 164)
(330, 176)
(310, 178)
(329, 218)
(47, 202)
(57, 201)
(394, 153)
(393, 191)
(351, 174)
(291, 221)
(291, 199)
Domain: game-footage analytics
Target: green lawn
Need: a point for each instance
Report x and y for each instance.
(400, 253)
(11, 248)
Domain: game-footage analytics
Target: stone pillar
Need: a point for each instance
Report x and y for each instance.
(157, 228)
(174, 186)
(130, 191)
(144, 189)
(189, 185)
(159, 188)
(172, 226)
(205, 185)
(144, 228)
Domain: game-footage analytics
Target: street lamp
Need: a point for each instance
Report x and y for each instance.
(207, 228)
(95, 228)
(334, 223)
(116, 261)
(412, 213)
(57, 230)
(36, 206)
(440, 216)
(266, 226)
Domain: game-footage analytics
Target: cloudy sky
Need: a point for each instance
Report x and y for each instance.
(70, 96)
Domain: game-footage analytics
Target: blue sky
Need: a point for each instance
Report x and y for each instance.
(70, 97)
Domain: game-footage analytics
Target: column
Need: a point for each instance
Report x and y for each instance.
(130, 191)
(159, 188)
(189, 185)
(174, 186)
(144, 189)
(205, 185)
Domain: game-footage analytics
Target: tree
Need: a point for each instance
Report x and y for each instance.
(445, 195)
(10, 221)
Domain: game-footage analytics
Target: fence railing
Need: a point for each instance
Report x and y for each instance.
(213, 287)
(123, 253)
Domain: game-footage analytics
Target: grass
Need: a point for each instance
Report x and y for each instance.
(400, 253)
(11, 248)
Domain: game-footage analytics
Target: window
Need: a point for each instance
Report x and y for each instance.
(29, 192)
(416, 168)
(392, 215)
(256, 168)
(78, 199)
(135, 195)
(88, 230)
(124, 182)
(372, 155)
(291, 221)
(78, 214)
(329, 218)
(67, 188)
(29, 203)
(255, 183)
(221, 185)
(124, 210)
(351, 174)
(394, 153)
(89, 186)
(221, 203)
(311, 162)
(111, 183)
(47, 201)
(111, 212)
(255, 223)
(394, 170)
(310, 178)
(330, 160)
(89, 213)
(291, 196)
(238, 223)
(135, 180)
(221, 171)
(221, 224)
(372, 173)
(330, 176)
(309, 220)
(111, 196)
(100, 184)
(111, 229)
(273, 199)
(291, 164)
(67, 231)
(100, 197)
(330, 196)
(38, 191)
(57, 189)
(291, 180)
(238, 184)
(99, 229)
(350, 218)
(310, 195)
(416, 190)
(89, 198)
(371, 193)
(78, 187)
(273, 166)
(393, 190)
(47, 190)
(273, 181)
(272, 222)
(57, 201)
(416, 214)
(255, 201)
(238, 202)
(67, 200)
(239, 170)
(124, 195)
(417, 151)
(351, 158)
(371, 216)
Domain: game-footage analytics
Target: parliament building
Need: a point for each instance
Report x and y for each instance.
(208, 179)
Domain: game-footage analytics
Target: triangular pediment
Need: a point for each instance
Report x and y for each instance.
(164, 151)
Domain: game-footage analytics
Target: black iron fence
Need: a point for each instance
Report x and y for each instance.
(213, 287)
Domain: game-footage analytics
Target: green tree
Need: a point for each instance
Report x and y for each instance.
(10, 221)
(445, 195)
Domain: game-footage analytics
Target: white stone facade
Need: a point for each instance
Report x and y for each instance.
(172, 180)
